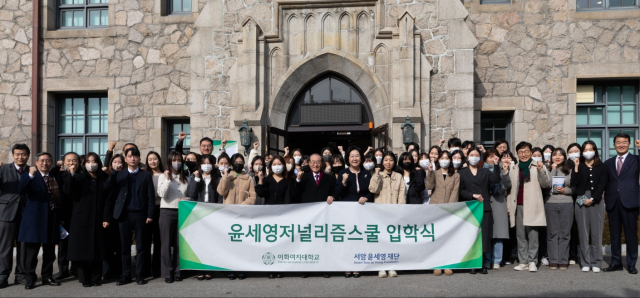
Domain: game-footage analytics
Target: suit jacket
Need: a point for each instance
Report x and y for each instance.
(118, 183)
(34, 227)
(479, 184)
(196, 191)
(624, 187)
(443, 191)
(350, 192)
(11, 201)
(416, 187)
(310, 192)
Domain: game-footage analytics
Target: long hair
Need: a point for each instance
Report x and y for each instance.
(437, 149)
(160, 165)
(463, 159)
(288, 174)
(96, 157)
(284, 166)
(567, 164)
(110, 167)
(480, 163)
(264, 166)
(596, 158)
(451, 170)
(393, 157)
(174, 155)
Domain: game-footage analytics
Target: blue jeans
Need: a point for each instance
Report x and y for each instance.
(497, 251)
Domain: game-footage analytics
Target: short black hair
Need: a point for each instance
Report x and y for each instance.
(466, 144)
(44, 153)
(234, 157)
(206, 139)
(134, 151)
(415, 146)
(20, 147)
(130, 144)
(522, 145)
(621, 135)
(76, 154)
(454, 142)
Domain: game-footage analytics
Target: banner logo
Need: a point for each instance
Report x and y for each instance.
(268, 259)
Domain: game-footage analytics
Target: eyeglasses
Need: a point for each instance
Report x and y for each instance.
(523, 152)
(315, 162)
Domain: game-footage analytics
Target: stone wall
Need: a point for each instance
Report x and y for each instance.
(15, 74)
(531, 54)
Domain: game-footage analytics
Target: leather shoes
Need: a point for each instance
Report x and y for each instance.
(612, 268)
(141, 281)
(96, 284)
(177, 278)
(632, 270)
(483, 271)
(473, 271)
(241, 276)
(279, 275)
(272, 276)
(50, 282)
(29, 286)
(123, 281)
(305, 275)
(20, 281)
(326, 275)
(86, 285)
(62, 275)
(168, 280)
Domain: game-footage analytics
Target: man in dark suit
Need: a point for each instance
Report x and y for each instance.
(621, 199)
(70, 159)
(11, 208)
(134, 196)
(315, 186)
(40, 225)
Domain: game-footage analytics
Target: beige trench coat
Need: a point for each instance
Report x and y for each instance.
(238, 190)
(388, 189)
(533, 202)
(443, 191)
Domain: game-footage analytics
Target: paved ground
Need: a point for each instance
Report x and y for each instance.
(503, 282)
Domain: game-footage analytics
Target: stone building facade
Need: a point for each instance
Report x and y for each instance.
(444, 64)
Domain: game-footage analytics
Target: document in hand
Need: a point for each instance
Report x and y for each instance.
(557, 181)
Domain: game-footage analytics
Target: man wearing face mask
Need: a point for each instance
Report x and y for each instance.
(526, 206)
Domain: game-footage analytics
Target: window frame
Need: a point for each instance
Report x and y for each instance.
(607, 6)
(86, 7)
(169, 134)
(605, 127)
(85, 136)
(170, 11)
(487, 2)
(507, 116)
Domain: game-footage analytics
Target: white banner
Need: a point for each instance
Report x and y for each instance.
(343, 236)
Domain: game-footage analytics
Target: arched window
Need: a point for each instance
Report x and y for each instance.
(329, 100)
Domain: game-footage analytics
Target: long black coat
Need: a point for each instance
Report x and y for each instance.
(86, 234)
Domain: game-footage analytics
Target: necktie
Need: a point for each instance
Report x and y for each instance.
(46, 183)
(20, 171)
(619, 164)
(317, 179)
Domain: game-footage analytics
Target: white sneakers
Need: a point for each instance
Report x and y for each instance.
(544, 261)
(392, 273)
(572, 262)
(521, 267)
(595, 270)
(382, 274)
(496, 266)
(533, 267)
(586, 269)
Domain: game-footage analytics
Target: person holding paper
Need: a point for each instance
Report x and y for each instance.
(559, 210)
(590, 179)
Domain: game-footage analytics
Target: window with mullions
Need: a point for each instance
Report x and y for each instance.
(605, 110)
(82, 125)
(606, 4)
(174, 127)
(179, 6)
(494, 126)
(78, 14)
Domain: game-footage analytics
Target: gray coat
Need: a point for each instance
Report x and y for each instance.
(500, 214)
(11, 202)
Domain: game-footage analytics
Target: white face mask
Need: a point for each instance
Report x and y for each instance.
(536, 159)
(257, 169)
(207, 168)
(474, 160)
(574, 156)
(453, 150)
(277, 169)
(289, 167)
(424, 163)
(378, 159)
(91, 167)
(297, 159)
(547, 156)
(369, 166)
(589, 155)
(456, 163)
(445, 164)
(176, 166)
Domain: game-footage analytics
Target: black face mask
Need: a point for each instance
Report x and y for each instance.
(405, 165)
(238, 167)
(336, 169)
(306, 169)
(326, 157)
(191, 165)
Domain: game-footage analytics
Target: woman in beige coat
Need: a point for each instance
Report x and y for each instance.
(237, 187)
(526, 206)
(388, 187)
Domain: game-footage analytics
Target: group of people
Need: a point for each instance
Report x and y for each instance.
(547, 202)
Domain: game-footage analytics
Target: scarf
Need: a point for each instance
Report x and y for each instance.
(524, 166)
